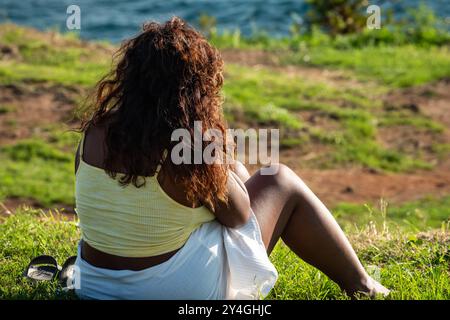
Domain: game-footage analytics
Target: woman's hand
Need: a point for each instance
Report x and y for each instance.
(237, 211)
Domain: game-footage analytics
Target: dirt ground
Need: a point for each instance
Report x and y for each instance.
(36, 105)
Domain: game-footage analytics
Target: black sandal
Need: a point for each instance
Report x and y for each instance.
(45, 268)
(66, 272)
(42, 268)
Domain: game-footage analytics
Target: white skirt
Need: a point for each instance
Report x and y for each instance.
(215, 263)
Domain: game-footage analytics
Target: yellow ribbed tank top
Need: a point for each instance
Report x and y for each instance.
(129, 221)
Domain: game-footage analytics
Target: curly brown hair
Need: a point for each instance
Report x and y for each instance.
(166, 78)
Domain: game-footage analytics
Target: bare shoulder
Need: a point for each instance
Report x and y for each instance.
(94, 145)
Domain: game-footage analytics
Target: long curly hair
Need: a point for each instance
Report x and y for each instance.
(164, 79)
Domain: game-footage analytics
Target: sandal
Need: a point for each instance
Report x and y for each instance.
(42, 268)
(45, 268)
(66, 273)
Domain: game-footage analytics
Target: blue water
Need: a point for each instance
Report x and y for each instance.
(115, 20)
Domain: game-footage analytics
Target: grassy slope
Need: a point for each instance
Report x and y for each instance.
(393, 56)
(253, 96)
(401, 66)
(413, 265)
(51, 57)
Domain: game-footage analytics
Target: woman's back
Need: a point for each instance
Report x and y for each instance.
(129, 221)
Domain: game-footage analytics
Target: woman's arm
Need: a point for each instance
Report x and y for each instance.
(237, 211)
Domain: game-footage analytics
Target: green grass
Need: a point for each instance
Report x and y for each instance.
(34, 169)
(406, 119)
(413, 268)
(414, 265)
(25, 235)
(4, 109)
(429, 212)
(442, 150)
(423, 30)
(69, 61)
(43, 58)
(396, 55)
(397, 66)
(248, 87)
(78, 73)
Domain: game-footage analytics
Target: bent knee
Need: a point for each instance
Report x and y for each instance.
(279, 174)
(241, 171)
(277, 169)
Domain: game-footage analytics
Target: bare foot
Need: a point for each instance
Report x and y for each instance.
(378, 289)
(371, 288)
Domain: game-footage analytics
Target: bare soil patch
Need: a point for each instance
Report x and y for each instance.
(361, 185)
(432, 100)
(409, 140)
(12, 204)
(259, 58)
(34, 106)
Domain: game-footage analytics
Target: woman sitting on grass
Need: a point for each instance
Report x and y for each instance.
(153, 229)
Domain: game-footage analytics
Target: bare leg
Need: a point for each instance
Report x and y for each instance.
(285, 207)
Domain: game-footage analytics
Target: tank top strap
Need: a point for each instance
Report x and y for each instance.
(163, 158)
(81, 145)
